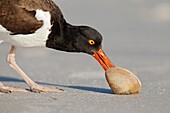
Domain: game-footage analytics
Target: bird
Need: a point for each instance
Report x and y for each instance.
(40, 23)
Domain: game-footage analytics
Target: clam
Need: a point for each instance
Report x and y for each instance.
(122, 81)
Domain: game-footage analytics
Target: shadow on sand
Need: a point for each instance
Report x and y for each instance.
(85, 88)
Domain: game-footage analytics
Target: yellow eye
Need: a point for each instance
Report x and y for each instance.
(91, 42)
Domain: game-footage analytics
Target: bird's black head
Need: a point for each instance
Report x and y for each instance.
(76, 39)
(87, 40)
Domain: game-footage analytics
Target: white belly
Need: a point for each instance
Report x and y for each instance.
(38, 38)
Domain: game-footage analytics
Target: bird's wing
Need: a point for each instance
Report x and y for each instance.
(18, 16)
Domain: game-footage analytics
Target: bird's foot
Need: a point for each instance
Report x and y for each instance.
(6, 89)
(39, 89)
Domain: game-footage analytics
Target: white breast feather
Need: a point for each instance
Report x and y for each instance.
(30, 40)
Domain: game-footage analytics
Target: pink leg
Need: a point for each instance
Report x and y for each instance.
(34, 87)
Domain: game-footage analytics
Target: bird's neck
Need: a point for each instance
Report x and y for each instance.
(70, 31)
(63, 38)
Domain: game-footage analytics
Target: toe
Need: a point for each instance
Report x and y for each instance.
(6, 89)
(40, 89)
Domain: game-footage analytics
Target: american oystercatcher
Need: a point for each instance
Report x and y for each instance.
(32, 23)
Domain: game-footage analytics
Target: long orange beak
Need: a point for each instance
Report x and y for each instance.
(103, 59)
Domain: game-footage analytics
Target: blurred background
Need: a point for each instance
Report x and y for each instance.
(136, 36)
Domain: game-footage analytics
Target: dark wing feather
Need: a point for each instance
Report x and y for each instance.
(18, 16)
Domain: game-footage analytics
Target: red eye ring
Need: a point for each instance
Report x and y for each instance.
(91, 42)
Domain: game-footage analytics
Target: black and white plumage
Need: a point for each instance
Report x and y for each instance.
(31, 23)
